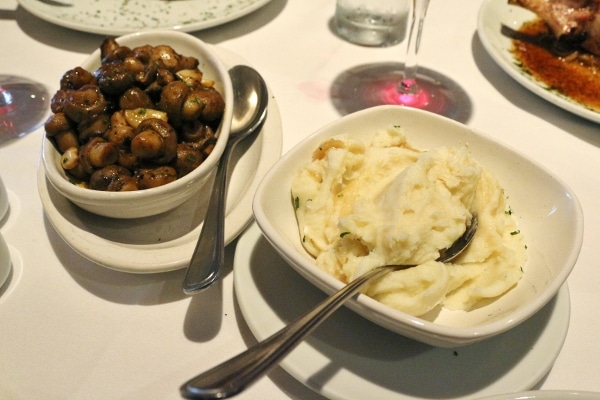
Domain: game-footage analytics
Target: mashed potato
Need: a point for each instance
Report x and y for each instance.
(362, 205)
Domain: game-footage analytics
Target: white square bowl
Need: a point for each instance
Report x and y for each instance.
(548, 213)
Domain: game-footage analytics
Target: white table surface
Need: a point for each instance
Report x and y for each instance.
(142, 337)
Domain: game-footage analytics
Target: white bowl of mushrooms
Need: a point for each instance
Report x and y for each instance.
(139, 127)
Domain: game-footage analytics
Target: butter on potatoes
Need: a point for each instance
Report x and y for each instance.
(361, 205)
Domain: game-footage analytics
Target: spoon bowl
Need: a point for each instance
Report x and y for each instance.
(250, 100)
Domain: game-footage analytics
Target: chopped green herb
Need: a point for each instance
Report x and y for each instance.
(344, 234)
(199, 101)
(296, 202)
(515, 232)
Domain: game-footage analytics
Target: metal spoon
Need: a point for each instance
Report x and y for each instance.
(250, 99)
(232, 376)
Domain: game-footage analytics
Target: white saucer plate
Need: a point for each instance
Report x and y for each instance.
(5, 261)
(349, 357)
(492, 16)
(547, 395)
(118, 17)
(166, 242)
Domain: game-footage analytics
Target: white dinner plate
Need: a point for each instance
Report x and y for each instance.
(166, 242)
(349, 357)
(5, 261)
(118, 17)
(547, 395)
(492, 15)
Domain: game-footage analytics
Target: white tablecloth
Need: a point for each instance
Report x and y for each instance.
(142, 337)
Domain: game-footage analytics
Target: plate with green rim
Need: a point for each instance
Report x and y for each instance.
(119, 17)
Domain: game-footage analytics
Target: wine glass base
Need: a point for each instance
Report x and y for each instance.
(24, 105)
(376, 84)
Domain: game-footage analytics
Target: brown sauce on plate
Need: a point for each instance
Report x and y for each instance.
(562, 67)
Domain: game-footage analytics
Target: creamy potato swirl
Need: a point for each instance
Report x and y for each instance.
(361, 205)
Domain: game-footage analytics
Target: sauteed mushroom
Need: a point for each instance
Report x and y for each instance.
(114, 78)
(95, 126)
(113, 178)
(120, 135)
(110, 50)
(155, 140)
(188, 158)
(86, 102)
(197, 132)
(66, 139)
(134, 97)
(76, 78)
(155, 177)
(183, 103)
(97, 153)
(57, 123)
(172, 98)
(144, 118)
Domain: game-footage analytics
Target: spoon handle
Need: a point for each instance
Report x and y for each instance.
(207, 260)
(231, 377)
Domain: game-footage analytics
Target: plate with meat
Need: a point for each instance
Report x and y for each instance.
(551, 48)
(119, 17)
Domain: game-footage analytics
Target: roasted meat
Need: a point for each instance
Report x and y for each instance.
(577, 21)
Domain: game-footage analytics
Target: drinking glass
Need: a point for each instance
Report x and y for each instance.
(24, 105)
(378, 23)
(402, 84)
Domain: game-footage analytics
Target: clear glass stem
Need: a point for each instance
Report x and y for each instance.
(408, 85)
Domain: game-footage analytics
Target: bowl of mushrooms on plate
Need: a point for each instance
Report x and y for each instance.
(138, 128)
